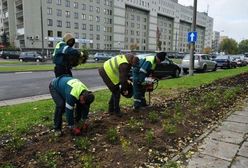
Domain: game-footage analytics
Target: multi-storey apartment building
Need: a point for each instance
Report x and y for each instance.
(216, 41)
(105, 24)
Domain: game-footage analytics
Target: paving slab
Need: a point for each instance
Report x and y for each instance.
(240, 162)
(222, 150)
(205, 161)
(224, 135)
(238, 118)
(234, 126)
(243, 151)
(242, 113)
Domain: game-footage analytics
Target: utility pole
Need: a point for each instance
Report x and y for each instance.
(192, 44)
(42, 31)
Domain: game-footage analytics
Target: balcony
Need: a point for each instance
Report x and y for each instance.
(19, 14)
(20, 26)
(18, 3)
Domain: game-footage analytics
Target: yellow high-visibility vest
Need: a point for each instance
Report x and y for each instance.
(151, 59)
(111, 67)
(77, 87)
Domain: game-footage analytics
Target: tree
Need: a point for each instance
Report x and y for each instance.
(159, 42)
(243, 46)
(207, 50)
(4, 39)
(229, 46)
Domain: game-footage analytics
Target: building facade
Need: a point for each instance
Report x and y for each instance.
(105, 24)
(216, 41)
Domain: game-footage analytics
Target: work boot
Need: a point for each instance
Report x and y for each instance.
(119, 114)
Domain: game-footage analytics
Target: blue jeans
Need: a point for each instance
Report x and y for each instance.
(59, 107)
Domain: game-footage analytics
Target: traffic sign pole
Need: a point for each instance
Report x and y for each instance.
(192, 44)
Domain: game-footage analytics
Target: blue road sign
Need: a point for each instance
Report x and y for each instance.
(192, 37)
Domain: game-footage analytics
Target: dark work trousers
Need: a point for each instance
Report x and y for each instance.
(62, 70)
(114, 102)
(138, 94)
(59, 107)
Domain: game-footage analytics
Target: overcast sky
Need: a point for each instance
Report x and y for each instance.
(230, 16)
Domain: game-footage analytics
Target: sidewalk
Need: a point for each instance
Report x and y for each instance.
(226, 146)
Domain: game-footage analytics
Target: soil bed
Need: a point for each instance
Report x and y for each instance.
(140, 139)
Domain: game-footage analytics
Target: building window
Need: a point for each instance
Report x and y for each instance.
(97, 27)
(98, 36)
(91, 27)
(68, 24)
(90, 18)
(83, 16)
(83, 6)
(75, 5)
(83, 26)
(84, 35)
(49, 11)
(59, 23)
(98, 1)
(50, 33)
(75, 25)
(97, 18)
(91, 8)
(97, 9)
(97, 46)
(59, 33)
(67, 14)
(76, 35)
(67, 3)
(49, 1)
(50, 44)
(91, 36)
(59, 12)
(49, 22)
(75, 15)
(58, 2)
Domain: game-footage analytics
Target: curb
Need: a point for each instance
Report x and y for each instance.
(37, 98)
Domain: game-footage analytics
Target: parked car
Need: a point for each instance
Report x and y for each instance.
(202, 62)
(102, 56)
(9, 54)
(225, 61)
(240, 60)
(165, 69)
(31, 56)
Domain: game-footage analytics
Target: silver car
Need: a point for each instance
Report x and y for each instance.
(202, 63)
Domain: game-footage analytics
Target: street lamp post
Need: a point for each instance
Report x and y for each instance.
(42, 31)
(192, 45)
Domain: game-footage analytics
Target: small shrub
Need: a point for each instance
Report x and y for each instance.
(230, 94)
(149, 136)
(48, 159)
(134, 124)
(16, 143)
(112, 135)
(82, 143)
(125, 144)
(169, 127)
(171, 164)
(87, 161)
(153, 117)
(7, 165)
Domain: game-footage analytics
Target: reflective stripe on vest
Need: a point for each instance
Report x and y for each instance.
(151, 59)
(111, 67)
(57, 47)
(77, 87)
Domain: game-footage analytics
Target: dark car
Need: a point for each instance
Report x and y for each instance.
(225, 61)
(31, 56)
(10, 54)
(165, 69)
(102, 56)
(240, 60)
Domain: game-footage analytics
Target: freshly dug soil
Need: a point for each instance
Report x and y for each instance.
(149, 137)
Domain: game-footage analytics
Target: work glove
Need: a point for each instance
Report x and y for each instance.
(76, 131)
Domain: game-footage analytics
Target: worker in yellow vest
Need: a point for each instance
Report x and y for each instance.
(115, 74)
(68, 92)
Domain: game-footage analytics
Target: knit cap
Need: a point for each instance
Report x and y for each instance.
(67, 37)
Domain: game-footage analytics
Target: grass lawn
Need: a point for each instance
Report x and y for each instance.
(40, 67)
(18, 118)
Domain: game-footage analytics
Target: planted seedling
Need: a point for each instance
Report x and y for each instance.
(82, 143)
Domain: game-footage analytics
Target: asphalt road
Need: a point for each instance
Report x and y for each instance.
(25, 84)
